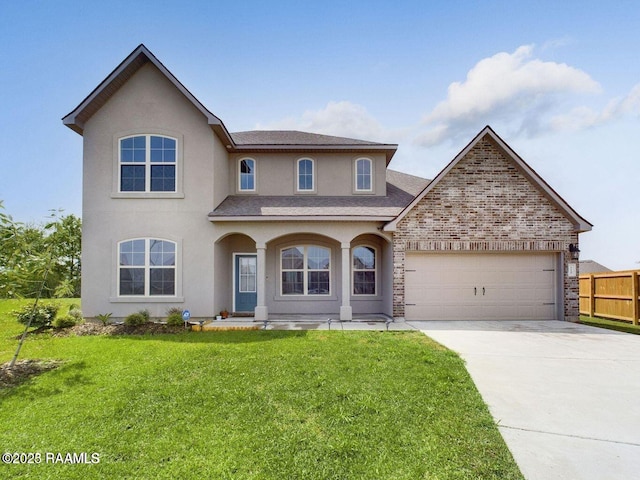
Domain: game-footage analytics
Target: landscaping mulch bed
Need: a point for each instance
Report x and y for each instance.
(23, 370)
(119, 329)
(150, 328)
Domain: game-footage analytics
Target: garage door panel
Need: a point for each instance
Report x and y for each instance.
(498, 286)
(442, 295)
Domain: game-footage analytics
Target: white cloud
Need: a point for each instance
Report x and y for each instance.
(580, 118)
(344, 119)
(515, 92)
(507, 86)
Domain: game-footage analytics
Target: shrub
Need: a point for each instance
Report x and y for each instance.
(43, 314)
(76, 314)
(135, 319)
(104, 318)
(66, 321)
(173, 310)
(145, 314)
(175, 319)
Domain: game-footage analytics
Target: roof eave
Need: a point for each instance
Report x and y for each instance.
(388, 149)
(580, 224)
(134, 61)
(300, 218)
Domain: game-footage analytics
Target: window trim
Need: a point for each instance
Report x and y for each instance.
(374, 270)
(117, 180)
(305, 269)
(313, 176)
(147, 297)
(371, 188)
(255, 176)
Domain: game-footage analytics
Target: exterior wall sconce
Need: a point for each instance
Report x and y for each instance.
(575, 251)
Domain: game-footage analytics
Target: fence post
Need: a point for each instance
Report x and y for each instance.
(592, 293)
(635, 293)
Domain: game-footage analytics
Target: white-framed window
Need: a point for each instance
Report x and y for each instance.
(363, 175)
(306, 270)
(147, 163)
(247, 175)
(305, 175)
(146, 267)
(363, 265)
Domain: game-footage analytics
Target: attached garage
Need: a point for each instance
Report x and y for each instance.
(481, 286)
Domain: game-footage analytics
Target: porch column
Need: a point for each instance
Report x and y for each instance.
(345, 309)
(260, 314)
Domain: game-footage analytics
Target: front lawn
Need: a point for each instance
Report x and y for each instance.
(258, 404)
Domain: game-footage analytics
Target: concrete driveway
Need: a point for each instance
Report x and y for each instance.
(566, 397)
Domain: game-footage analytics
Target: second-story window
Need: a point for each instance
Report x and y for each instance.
(247, 175)
(306, 182)
(147, 164)
(363, 175)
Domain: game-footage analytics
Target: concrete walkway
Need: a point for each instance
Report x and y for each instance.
(566, 397)
(311, 322)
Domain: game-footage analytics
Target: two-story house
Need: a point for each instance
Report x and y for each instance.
(180, 212)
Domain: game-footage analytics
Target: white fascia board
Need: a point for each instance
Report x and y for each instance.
(299, 218)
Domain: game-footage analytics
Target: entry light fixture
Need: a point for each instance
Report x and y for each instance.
(575, 251)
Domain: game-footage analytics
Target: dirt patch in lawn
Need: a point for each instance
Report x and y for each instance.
(23, 370)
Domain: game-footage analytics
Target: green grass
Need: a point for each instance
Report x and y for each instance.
(619, 325)
(259, 405)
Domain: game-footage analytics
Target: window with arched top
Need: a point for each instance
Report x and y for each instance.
(363, 175)
(247, 175)
(147, 163)
(306, 270)
(363, 266)
(146, 267)
(305, 175)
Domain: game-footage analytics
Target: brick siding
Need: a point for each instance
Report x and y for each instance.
(486, 204)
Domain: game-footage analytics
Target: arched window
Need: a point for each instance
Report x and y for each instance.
(148, 164)
(363, 175)
(306, 270)
(364, 270)
(247, 177)
(146, 267)
(306, 181)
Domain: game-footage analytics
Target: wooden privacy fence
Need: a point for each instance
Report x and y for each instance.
(611, 295)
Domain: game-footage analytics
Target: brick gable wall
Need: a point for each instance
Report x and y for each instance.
(485, 204)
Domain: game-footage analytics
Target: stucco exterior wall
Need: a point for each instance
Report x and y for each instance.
(334, 173)
(243, 238)
(149, 104)
(485, 203)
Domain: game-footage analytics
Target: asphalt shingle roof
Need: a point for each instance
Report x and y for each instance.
(401, 190)
(293, 137)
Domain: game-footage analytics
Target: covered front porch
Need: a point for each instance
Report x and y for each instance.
(336, 270)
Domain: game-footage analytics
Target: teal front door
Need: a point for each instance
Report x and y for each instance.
(246, 282)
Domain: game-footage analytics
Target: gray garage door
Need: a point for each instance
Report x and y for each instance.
(468, 286)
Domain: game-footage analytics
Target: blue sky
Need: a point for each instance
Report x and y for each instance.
(558, 81)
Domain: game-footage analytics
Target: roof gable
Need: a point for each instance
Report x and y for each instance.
(77, 118)
(252, 141)
(580, 224)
